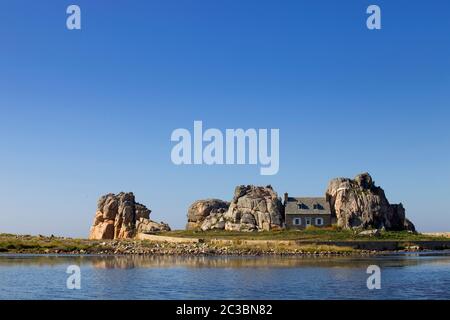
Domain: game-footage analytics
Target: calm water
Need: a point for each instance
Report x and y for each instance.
(406, 276)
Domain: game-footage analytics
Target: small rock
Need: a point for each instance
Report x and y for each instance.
(370, 233)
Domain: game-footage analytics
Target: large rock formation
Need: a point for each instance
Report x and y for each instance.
(202, 210)
(358, 203)
(253, 208)
(121, 217)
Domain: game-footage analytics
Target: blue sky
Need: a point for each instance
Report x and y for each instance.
(89, 112)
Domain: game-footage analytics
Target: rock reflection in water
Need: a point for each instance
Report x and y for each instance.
(131, 262)
(416, 276)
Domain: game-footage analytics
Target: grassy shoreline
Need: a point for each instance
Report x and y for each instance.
(311, 234)
(288, 242)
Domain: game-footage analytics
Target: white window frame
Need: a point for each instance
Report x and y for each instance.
(321, 221)
(294, 220)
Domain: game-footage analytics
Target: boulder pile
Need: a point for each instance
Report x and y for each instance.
(121, 217)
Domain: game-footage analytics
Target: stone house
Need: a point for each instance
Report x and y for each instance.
(302, 212)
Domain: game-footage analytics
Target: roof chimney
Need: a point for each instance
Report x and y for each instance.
(286, 197)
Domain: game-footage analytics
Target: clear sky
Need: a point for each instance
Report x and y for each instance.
(88, 112)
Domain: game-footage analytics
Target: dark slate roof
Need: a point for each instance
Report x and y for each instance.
(307, 205)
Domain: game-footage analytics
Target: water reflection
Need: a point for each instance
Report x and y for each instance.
(423, 276)
(131, 262)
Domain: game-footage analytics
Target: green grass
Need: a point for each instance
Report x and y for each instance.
(39, 244)
(12, 243)
(312, 234)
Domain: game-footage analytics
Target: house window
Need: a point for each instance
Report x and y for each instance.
(308, 221)
(318, 207)
(319, 221)
(297, 221)
(302, 206)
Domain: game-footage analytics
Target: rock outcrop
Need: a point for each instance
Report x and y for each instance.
(207, 212)
(358, 203)
(215, 221)
(253, 208)
(121, 217)
(148, 226)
